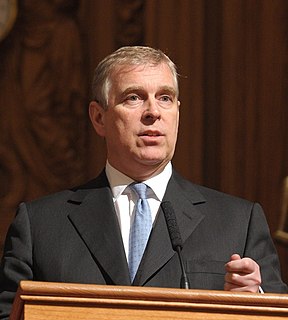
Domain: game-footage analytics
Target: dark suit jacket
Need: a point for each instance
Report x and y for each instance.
(74, 236)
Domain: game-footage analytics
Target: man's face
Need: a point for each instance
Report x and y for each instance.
(141, 123)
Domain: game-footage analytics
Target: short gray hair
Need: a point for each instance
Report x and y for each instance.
(130, 55)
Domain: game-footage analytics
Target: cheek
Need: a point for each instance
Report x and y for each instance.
(119, 127)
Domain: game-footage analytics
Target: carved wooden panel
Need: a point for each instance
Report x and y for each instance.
(43, 125)
(130, 22)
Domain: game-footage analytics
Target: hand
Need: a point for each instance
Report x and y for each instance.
(242, 275)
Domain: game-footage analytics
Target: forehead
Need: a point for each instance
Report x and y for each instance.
(142, 75)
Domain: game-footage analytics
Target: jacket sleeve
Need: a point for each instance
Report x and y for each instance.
(260, 247)
(16, 263)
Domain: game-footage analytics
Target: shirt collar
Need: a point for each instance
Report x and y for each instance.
(119, 181)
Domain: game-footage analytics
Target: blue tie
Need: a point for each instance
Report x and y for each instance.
(140, 230)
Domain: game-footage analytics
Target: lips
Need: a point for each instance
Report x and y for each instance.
(151, 133)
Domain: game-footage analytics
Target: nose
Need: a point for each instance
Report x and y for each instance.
(151, 110)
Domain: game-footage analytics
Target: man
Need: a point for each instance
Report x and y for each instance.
(83, 235)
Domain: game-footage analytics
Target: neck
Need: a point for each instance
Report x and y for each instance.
(141, 173)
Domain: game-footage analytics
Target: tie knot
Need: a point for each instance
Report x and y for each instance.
(140, 189)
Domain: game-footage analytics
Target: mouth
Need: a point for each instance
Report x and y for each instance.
(151, 134)
(151, 137)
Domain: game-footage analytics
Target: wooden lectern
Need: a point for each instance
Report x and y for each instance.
(47, 300)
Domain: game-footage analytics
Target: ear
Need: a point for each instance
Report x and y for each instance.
(97, 117)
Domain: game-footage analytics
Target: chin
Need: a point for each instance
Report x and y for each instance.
(154, 161)
(153, 158)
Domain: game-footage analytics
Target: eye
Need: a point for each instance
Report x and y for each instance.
(133, 97)
(133, 100)
(166, 101)
(166, 98)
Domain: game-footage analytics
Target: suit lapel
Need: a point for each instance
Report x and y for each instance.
(159, 249)
(93, 216)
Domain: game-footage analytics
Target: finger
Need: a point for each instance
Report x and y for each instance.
(229, 264)
(242, 266)
(235, 282)
(242, 279)
(235, 256)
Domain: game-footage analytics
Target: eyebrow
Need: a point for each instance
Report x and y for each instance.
(167, 89)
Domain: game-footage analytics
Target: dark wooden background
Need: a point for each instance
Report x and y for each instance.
(232, 57)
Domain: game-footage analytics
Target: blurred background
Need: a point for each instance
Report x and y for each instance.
(232, 56)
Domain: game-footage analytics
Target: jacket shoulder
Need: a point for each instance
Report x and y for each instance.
(210, 195)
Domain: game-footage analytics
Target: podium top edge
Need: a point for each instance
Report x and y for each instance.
(151, 293)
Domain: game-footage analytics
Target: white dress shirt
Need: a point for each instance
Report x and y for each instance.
(124, 198)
